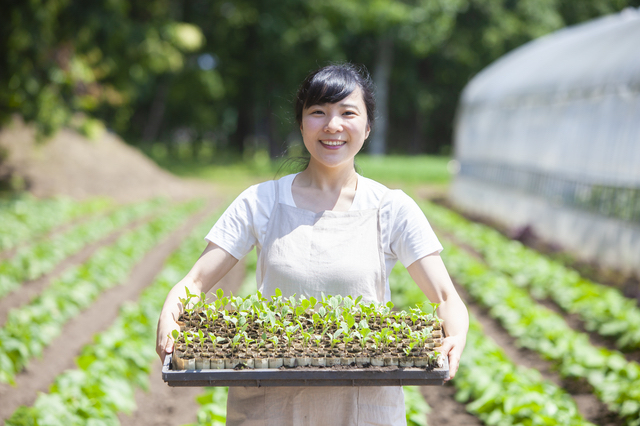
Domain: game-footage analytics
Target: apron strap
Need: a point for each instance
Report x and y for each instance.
(381, 287)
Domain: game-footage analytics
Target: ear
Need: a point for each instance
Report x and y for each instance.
(366, 133)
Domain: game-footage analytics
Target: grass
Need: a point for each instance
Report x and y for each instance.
(236, 172)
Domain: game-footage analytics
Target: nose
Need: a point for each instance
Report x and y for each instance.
(334, 124)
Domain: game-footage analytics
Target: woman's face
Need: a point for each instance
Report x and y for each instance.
(334, 133)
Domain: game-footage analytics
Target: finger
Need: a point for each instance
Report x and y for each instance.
(453, 366)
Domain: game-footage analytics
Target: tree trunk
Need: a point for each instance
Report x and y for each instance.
(381, 76)
(415, 147)
(243, 128)
(277, 146)
(156, 113)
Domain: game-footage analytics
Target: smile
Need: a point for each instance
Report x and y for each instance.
(332, 143)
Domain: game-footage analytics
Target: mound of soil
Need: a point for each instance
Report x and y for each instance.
(69, 164)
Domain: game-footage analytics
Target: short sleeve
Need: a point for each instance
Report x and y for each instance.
(411, 236)
(244, 222)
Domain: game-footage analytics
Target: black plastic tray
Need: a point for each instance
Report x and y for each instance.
(306, 376)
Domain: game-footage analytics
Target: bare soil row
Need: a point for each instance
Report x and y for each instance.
(60, 355)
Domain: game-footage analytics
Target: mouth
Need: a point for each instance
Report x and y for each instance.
(332, 143)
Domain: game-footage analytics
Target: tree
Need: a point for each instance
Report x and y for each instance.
(63, 57)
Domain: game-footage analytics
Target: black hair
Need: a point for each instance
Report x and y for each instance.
(333, 83)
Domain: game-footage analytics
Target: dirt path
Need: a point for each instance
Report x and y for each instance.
(59, 356)
(445, 410)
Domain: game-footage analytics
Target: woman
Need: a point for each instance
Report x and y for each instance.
(325, 230)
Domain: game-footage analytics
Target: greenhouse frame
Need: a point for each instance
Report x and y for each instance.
(548, 137)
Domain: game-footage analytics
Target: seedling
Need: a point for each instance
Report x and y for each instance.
(215, 339)
(409, 349)
(335, 339)
(338, 320)
(201, 338)
(275, 341)
(305, 338)
(235, 342)
(364, 333)
(289, 331)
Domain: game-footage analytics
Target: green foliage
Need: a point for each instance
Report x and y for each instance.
(25, 218)
(615, 381)
(223, 74)
(33, 261)
(502, 393)
(119, 361)
(213, 407)
(602, 308)
(498, 391)
(415, 406)
(32, 327)
(63, 57)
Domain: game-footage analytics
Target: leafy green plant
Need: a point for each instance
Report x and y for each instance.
(602, 308)
(118, 361)
(35, 260)
(615, 381)
(33, 326)
(495, 389)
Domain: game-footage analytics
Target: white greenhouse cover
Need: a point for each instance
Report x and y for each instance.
(567, 103)
(548, 137)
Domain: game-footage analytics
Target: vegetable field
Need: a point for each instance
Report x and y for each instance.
(82, 283)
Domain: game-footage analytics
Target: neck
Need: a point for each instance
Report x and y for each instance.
(328, 178)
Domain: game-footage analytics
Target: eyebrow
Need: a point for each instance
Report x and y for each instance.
(350, 106)
(344, 105)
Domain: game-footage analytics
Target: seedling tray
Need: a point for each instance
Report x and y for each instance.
(306, 376)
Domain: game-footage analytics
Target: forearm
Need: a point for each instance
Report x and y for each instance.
(432, 277)
(455, 315)
(212, 265)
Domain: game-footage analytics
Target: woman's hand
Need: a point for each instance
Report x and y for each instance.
(164, 341)
(433, 279)
(452, 347)
(211, 266)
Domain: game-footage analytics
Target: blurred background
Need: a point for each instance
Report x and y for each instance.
(212, 78)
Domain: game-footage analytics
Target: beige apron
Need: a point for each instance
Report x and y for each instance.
(309, 254)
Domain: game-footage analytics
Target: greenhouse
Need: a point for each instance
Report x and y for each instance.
(548, 137)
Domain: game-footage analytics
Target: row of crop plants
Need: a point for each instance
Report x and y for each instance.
(25, 218)
(118, 361)
(497, 390)
(615, 381)
(603, 309)
(31, 327)
(32, 261)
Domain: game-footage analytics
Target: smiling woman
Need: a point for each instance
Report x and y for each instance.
(335, 133)
(325, 231)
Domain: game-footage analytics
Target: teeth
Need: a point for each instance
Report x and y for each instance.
(333, 143)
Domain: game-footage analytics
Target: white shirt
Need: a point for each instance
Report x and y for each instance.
(406, 233)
